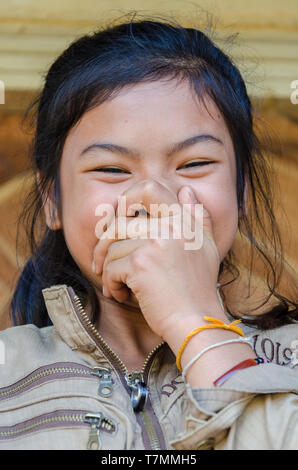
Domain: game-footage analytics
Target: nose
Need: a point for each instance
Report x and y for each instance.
(152, 185)
(146, 192)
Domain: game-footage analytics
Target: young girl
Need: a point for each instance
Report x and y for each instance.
(125, 341)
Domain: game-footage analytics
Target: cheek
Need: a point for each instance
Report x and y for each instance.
(79, 221)
(225, 229)
(79, 234)
(225, 222)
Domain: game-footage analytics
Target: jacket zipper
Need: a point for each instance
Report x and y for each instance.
(59, 370)
(97, 421)
(133, 382)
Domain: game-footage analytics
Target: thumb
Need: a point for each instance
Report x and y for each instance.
(186, 195)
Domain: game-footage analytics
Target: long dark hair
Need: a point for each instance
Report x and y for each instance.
(93, 69)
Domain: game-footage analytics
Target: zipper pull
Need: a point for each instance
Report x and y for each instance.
(94, 441)
(105, 388)
(139, 390)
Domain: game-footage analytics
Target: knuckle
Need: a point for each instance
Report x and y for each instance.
(138, 260)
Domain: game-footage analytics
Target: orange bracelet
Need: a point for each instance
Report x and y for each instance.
(215, 324)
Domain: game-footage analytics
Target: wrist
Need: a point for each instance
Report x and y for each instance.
(181, 325)
(189, 342)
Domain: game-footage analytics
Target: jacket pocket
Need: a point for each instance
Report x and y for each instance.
(95, 422)
(48, 373)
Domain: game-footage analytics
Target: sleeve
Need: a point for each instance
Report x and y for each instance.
(213, 415)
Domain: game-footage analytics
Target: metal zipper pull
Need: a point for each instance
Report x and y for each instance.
(94, 441)
(139, 390)
(105, 388)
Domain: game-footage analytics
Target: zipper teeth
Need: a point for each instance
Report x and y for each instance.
(149, 357)
(151, 432)
(73, 418)
(154, 441)
(39, 375)
(85, 318)
(63, 418)
(90, 325)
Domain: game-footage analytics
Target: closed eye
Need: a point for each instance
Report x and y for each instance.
(192, 164)
(119, 170)
(111, 170)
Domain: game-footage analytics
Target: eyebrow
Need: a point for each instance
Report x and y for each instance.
(175, 148)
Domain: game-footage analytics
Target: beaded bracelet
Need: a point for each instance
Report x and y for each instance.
(242, 365)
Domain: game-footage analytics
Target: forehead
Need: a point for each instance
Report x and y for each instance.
(163, 111)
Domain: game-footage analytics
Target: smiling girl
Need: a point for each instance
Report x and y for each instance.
(126, 343)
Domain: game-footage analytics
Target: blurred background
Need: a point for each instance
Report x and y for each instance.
(33, 33)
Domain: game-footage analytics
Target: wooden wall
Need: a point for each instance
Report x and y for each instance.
(33, 32)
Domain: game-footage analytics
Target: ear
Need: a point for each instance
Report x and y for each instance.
(50, 210)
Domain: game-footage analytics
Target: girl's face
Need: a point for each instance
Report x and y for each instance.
(147, 120)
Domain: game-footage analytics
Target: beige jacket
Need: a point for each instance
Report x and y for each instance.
(61, 387)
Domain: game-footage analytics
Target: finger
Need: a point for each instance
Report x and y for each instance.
(116, 251)
(114, 278)
(121, 228)
(132, 227)
(189, 205)
(188, 197)
(120, 249)
(205, 216)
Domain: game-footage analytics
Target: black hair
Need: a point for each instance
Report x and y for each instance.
(92, 70)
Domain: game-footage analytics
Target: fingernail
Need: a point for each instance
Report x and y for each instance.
(93, 266)
(103, 291)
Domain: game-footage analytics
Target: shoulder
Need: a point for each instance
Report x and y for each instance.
(279, 347)
(16, 335)
(28, 336)
(25, 348)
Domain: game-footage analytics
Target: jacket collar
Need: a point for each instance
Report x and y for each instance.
(76, 330)
(66, 318)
